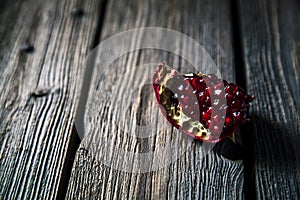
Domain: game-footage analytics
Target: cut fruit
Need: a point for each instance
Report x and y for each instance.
(186, 102)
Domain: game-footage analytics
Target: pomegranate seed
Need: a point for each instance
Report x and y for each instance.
(228, 121)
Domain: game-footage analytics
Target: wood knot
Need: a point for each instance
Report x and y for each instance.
(26, 48)
(40, 92)
(77, 12)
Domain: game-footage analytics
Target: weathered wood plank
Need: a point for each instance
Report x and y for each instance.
(190, 177)
(270, 38)
(39, 91)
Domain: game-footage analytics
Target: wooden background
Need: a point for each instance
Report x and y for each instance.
(256, 43)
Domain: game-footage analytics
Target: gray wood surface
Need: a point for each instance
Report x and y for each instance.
(270, 38)
(39, 91)
(255, 42)
(190, 177)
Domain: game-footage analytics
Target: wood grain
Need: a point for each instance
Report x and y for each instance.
(39, 91)
(189, 177)
(270, 39)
